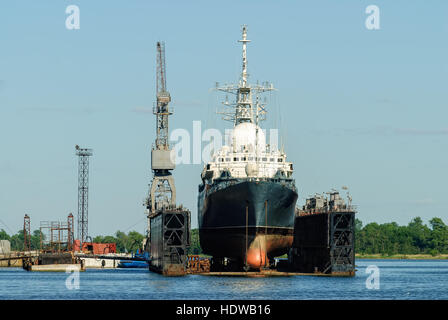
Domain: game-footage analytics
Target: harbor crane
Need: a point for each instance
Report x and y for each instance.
(162, 193)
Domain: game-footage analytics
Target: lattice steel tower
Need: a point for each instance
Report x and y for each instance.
(26, 233)
(83, 192)
(162, 193)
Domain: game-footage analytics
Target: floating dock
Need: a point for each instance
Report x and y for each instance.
(324, 241)
(53, 262)
(323, 244)
(169, 241)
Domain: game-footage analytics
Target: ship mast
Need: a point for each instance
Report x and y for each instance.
(244, 41)
(243, 109)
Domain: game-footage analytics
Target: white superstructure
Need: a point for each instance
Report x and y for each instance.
(246, 154)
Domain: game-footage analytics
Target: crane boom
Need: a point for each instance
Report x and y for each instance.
(163, 96)
(163, 99)
(161, 69)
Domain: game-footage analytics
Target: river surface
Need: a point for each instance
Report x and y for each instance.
(387, 279)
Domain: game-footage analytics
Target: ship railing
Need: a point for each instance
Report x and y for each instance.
(311, 211)
(286, 180)
(233, 181)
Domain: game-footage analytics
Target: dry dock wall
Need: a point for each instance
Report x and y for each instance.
(324, 243)
(169, 241)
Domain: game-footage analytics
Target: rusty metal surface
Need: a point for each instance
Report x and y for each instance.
(56, 236)
(173, 270)
(196, 264)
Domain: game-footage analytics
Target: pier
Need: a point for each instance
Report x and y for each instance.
(16, 258)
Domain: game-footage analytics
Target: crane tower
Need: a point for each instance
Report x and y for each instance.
(168, 233)
(162, 194)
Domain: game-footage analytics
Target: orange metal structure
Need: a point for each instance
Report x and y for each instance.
(95, 248)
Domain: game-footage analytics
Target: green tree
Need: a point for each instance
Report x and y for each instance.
(122, 240)
(195, 247)
(17, 241)
(109, 239)
(358, 225)
(135, 241)
(439, 235)
(35, 239)
(370, 241)
(98, 239)
(4, 235)
(420, 235)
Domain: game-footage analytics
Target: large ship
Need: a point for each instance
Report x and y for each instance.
(247, 196)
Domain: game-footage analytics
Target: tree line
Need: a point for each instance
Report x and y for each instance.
(390, 238)
(373, 238)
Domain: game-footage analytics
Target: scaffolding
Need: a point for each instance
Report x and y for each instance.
(56, 236)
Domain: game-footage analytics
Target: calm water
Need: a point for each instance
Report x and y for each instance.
(399, 279)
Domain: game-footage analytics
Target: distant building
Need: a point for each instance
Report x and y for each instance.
(5, 247)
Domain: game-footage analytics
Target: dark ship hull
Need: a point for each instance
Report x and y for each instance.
(247, 221)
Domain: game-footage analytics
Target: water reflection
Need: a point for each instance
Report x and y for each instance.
(240, 285)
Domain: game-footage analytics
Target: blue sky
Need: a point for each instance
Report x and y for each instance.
(356, 107)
